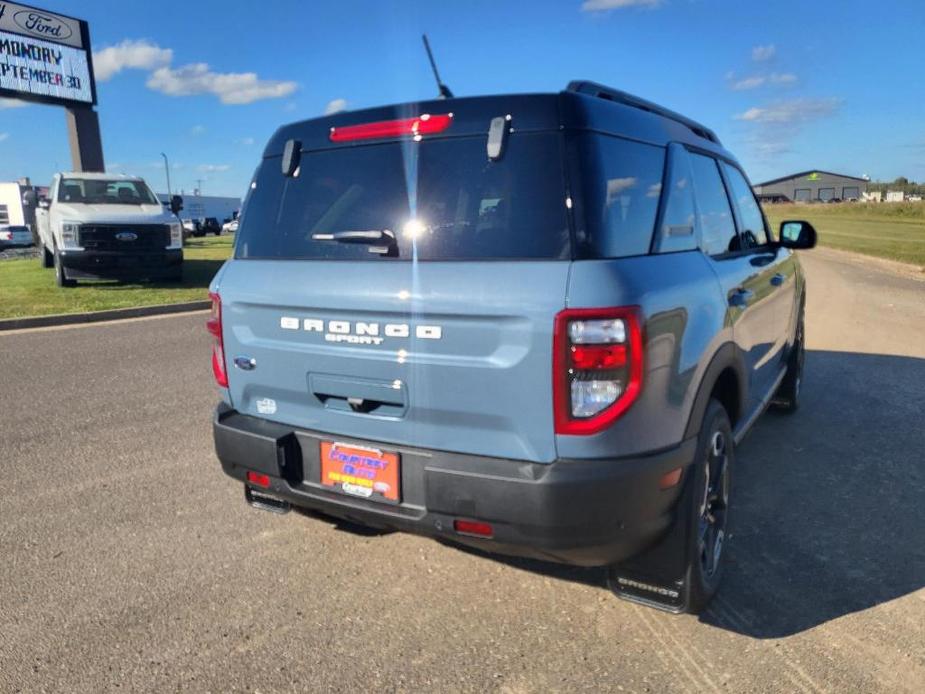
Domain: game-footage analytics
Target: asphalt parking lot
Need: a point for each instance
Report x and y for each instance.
(129, 562)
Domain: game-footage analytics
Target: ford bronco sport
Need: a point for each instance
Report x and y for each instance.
(533, 324)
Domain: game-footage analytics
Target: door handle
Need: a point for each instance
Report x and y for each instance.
(778, 279)
(740, 297)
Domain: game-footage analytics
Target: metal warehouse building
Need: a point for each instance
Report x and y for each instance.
(812, 185)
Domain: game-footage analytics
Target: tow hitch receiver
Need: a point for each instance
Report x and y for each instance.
(265, 501)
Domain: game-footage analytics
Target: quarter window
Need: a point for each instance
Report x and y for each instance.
(622, 184)
(717, 228)
(752, 231)
(676, 232)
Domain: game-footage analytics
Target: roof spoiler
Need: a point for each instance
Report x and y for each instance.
(610, 94)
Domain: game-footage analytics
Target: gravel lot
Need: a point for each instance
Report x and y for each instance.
(129, 562)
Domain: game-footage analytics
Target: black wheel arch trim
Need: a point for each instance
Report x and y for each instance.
(728, 356)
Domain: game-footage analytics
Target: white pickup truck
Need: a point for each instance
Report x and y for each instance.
(96, 225)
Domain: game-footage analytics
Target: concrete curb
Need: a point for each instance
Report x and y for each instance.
(96, 316)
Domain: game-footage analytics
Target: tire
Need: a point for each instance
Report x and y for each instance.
(787, 397)
(60, 278)
(709, 507)
(46, 257)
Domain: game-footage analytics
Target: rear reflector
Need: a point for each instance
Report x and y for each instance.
(670, 479)
(473, 528)
(425, 124)
(258, 478)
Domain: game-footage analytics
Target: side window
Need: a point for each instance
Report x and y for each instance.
(753, 231)
(4, 214)
(717, 228)
(622, 185)
(676, 231)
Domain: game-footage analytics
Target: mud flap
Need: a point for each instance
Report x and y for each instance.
(660, 577)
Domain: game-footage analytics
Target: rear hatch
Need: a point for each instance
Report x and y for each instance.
(404, 292)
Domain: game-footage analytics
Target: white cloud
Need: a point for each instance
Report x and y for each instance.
(229, 87)
(793, 111)
(773, 127)
(246, 141)
(4, 136)
(213, 168)
(335, 106)
(604, 5)
(141, 55)
(763, 53)
(755, 81)
(12, 103)
(197, 130)
(783, 78)
(748, 83)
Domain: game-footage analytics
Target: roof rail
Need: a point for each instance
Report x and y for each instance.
(611, 94)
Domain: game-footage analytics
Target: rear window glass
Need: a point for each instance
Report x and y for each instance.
(439, 200)
(621, 184)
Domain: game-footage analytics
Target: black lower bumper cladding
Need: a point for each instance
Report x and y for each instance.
(90, 264)
(587, 512)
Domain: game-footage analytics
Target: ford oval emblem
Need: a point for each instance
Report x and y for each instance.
(39, 24)
(127, 236)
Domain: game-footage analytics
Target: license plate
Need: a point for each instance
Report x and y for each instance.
(368, 473)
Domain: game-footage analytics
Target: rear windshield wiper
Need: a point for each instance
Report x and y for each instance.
(372, 237)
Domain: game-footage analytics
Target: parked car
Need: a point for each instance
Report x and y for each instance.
(551, 352)
(230, 226)
(12, 236)
(210, 225)
(192, 227)
(96, 225)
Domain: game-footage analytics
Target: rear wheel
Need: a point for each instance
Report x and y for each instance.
(683, 571)
(60, 277)
(710, 507)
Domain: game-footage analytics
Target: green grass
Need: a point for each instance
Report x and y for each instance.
(886, 230)
(27, 289)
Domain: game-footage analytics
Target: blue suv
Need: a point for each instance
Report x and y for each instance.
(534, 324)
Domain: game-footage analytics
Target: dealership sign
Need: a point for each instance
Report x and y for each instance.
(44, 56)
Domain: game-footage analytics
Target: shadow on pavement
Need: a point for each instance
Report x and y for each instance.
(829, 513)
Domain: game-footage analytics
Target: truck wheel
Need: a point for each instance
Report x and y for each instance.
(46, 257)
(787, 397)
(60, 278)
(683, 571)
(709, 507)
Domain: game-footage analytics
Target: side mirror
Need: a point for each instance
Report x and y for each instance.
(44, 203)
(176, 204)
(797, 235)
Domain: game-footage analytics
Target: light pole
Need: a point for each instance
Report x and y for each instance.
(167, 171)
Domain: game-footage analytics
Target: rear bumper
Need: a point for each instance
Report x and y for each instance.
(110, 264)
(588, 513)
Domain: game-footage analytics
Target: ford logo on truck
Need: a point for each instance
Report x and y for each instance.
(127, 236)
(360, 332)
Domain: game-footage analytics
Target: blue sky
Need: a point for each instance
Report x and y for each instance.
(788, 86)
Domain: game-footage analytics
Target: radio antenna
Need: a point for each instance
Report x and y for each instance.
(445, 92)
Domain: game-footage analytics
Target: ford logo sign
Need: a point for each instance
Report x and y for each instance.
(126, 236)
(39, 24)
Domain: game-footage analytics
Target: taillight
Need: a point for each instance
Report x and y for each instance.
(597, 367)
(425, 124)
(214, 326)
